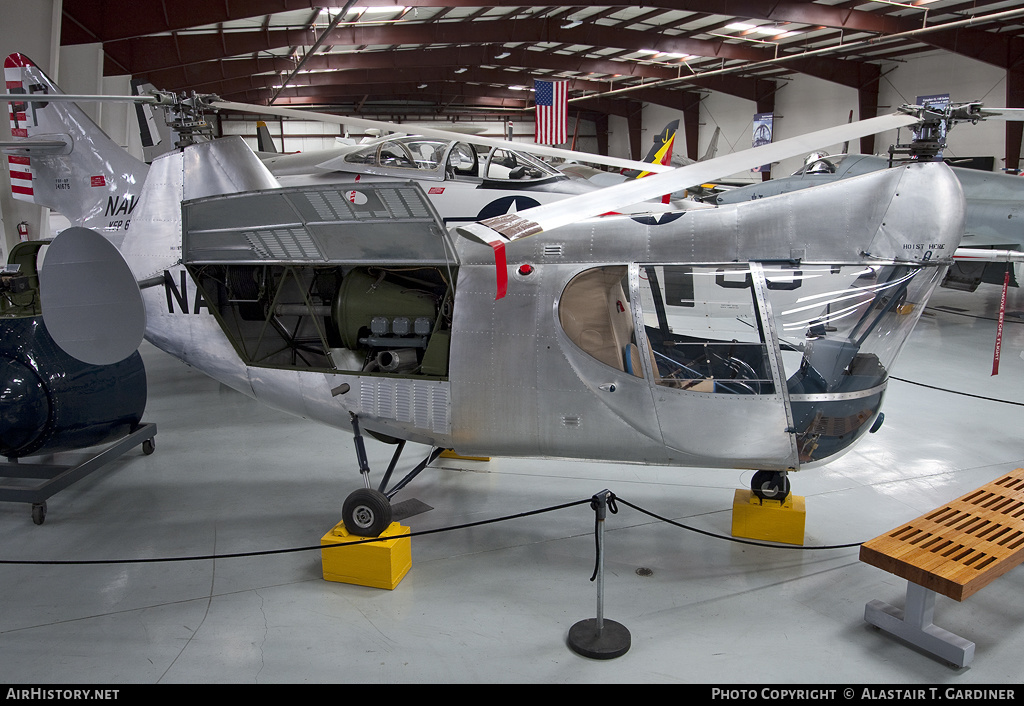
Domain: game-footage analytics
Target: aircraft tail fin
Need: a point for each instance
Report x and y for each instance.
(661, 150)
(264, 141)
(712, 149)
(60, 158)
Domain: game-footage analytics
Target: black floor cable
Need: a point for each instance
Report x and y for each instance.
(956, 392)
(1012, 317)
(292, 550)
(734, 539)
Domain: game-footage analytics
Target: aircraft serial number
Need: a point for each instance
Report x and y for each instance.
(118, 225)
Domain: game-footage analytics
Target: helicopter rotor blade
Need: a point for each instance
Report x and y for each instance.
(441, 134)
(1009, 114)
(559, 213)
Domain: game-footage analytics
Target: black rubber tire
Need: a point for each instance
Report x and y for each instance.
(366, 513)
(770, 485)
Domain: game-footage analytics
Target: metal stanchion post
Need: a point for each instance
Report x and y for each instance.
(599, 638)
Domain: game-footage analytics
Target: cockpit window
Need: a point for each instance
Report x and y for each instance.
(462, 160)
(508, 165)
(594, 312)
(406, 153)
(704, 330)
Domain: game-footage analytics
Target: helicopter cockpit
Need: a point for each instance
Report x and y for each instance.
(817, 340)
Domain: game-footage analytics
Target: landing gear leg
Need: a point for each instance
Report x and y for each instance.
(771, 485)
(367, 512)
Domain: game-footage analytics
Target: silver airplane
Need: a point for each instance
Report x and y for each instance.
(744, 336)
(466, 177)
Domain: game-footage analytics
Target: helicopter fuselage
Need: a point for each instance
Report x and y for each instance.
(752, 336)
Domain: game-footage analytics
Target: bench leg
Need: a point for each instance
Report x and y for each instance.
(914, 625)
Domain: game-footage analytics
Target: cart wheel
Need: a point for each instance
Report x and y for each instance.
(148, 446)
(39, 512)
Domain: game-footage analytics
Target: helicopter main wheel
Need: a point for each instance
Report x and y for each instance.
(770, 485)
(366, 512)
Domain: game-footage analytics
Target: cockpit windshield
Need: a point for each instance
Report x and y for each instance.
(433, 158)
(821, 164)
(418, 153)
(510, 165)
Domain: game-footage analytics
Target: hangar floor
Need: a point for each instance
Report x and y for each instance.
(495, 603)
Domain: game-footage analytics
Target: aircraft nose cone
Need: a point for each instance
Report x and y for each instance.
(24, 407)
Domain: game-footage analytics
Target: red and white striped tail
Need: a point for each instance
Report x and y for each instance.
(20, 166)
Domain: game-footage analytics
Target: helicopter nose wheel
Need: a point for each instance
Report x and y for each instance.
(366, 512)
(770, 485)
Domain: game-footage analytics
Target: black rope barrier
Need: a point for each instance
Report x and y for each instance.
(291, 550)
(613, 499)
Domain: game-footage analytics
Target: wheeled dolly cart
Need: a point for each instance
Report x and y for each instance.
(55, 477)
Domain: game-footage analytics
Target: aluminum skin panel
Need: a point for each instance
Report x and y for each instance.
(883, 215)
(523, 390)
(417, 410)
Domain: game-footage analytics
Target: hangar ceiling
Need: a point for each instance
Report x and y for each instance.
(451, 58)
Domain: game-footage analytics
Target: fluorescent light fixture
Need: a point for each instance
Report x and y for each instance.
(376, 10)
(764, 29)
(664, 54)
(503, 55)
(422, 85)
(461, 71)
(571, 23)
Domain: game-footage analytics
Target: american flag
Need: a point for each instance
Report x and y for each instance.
(551, 99)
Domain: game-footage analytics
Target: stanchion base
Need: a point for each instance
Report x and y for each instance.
(611, 642)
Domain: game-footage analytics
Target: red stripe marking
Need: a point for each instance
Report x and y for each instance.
(21, 175)
(16, 59)
(21, 189)
(501, 268)
(19, 132)
(18, 159)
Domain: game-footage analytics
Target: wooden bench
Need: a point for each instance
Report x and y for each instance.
(955, 550)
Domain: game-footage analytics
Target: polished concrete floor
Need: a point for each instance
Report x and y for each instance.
(494, 603)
